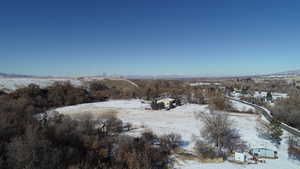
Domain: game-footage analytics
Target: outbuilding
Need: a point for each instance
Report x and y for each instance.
(240, 157)
(263, 153)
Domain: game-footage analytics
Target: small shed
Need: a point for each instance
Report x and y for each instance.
(240, 157)
(263, 153)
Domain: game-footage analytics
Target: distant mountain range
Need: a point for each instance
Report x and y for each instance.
(158, 76)
(170, 76)
(287, 73)
(7, 75)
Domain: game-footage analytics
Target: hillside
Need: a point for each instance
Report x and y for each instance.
(13, 83)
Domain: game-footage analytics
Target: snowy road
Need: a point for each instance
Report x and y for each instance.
(268, 115)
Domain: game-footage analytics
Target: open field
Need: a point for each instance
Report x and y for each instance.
(181, 120)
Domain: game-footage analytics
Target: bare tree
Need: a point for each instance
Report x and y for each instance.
(218, 101)
(218, 130)
(294, 147)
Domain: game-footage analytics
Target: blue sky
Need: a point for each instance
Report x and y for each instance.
(149, 37)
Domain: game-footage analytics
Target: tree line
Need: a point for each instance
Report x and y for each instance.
(61, 142)
(287, 110)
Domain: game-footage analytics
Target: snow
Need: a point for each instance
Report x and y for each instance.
(118, 104)
(257, 94)
(204, 84)
(162, 122)
(241, 107)
(274, 95)
(182, 120)
(237, 94)
(131, 82)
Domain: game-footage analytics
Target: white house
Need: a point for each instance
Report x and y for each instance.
(168, 102)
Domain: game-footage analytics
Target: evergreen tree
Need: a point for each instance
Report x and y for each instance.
(244, 90)
(269, 96)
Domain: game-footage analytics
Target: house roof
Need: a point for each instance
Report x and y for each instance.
(166, 100)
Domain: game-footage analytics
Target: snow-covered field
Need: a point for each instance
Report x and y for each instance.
(181, 120)
(241, 107)
(204, 84)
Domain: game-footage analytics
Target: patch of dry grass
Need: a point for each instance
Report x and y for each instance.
(100, 114)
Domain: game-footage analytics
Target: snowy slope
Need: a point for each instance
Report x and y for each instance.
(241, 107)
(15, 83)
(12, 84)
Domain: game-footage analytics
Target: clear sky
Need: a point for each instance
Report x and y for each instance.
(149, 37)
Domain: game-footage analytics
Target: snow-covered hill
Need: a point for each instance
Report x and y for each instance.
(11, 84)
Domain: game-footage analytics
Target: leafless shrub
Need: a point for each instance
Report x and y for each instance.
(170, 142)
(294, 147)
(138, 153)
(205, 151)
(148, 135)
